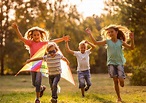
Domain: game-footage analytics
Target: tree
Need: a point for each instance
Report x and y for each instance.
(37, 13)
(132, 14)
(4, 30)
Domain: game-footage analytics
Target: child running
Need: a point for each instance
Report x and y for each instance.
(115, 37)
(83, 68)
(34, 39)
(54, 67)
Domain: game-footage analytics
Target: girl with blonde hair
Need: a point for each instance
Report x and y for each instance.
(34, 39)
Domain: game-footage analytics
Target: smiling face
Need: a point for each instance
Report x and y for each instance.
(36, 36)
(82, 47)
(112, 33)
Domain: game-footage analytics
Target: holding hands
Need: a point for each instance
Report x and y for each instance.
(66, 38)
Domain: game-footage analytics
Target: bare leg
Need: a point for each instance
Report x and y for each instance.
(38, 95)
(82, 91)
(121, 80)
(116, 84)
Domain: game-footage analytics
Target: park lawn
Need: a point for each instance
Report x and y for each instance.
(19, 90)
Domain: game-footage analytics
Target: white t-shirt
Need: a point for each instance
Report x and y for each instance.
(82, 60)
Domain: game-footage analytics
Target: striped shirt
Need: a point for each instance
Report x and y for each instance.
(53, 63)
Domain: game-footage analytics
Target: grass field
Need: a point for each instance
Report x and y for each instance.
(19, 90)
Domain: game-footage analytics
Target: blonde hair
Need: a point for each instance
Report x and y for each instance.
(83, 42)
(44, 33)
(122, 31)
(29, 33)
(51, 44)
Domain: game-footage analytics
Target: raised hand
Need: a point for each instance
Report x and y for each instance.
(88, 31)
(14, 25)
(131, 35)
(66, 38)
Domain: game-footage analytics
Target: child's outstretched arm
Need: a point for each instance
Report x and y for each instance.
(93, 40)
(64, 38)
(66, 60)
(34, 59)
(130, 46)
(68, 48)
(89, 43)
(15, 27)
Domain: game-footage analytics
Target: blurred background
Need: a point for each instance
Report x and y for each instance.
(72, 17)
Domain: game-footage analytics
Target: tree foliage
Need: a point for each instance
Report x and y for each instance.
(61, 18)
(58, 17)
(132, 14)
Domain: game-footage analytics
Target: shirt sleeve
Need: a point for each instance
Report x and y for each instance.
(121, 42)
(107, 42)
(75, 53)
(61, 56)
(28, 42)
(88, 51)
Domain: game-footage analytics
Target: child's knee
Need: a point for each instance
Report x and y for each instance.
(121, 80)
(81, 85)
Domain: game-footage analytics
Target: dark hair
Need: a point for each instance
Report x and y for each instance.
(120, 34)
(122, 31)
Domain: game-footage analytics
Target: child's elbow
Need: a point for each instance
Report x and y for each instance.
(94, 43)
(132, 48)
(93, 47)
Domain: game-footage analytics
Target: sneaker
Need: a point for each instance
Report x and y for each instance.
(53, 100)
(42, 90)
(37, 101)
(86, 88)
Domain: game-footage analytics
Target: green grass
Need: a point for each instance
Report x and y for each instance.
(19, 90)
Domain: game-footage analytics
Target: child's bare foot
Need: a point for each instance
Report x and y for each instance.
(119, 100)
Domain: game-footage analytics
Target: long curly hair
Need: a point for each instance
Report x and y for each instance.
(44, 33)
(122, 31)
(29, 33)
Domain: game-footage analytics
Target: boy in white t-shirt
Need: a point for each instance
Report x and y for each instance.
(83, 68)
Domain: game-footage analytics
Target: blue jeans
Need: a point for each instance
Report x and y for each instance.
(84, 76)
(36, 80)
(53, 81)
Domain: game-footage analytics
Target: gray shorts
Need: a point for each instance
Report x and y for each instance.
(116, 71)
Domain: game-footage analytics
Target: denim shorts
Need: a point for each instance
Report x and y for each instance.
(84, 78)
(116, 71)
